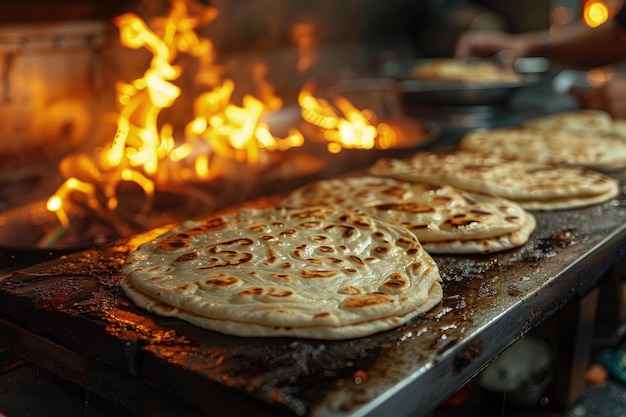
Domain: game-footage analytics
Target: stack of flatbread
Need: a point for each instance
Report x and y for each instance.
(582, 120)
(320, 272)
(444, 218)
(532, 185)
(604, 152)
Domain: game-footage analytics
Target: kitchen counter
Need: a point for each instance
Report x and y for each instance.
(70, 316)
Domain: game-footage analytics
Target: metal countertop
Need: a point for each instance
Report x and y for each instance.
(69, 315)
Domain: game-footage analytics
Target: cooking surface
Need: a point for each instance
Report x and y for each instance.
(70, 314)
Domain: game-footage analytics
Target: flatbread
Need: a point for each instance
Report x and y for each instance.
(582, 120)
(435, 213)
(533, 186)
(484, 246)
(235, 328)
(603, 152)
(470, 71)
(316, 272)
(619, 128)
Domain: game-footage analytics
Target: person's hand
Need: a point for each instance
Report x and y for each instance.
(610, 97)
(507, 47)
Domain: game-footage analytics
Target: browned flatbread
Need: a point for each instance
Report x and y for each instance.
(309, 272)
(532, 185)
(435, 213)
(582, 120)
(603, 152)
(496, 244)
(260, 330)
(468, 71)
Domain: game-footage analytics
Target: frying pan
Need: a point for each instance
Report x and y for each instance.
(453, 93)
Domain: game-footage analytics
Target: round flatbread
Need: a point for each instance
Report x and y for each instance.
(604, 152)
(317, 272)
(483, 246)
(619, 128)
(469, 71)
(435, 213)
(347, 331)
(532, 185)
(582, 120)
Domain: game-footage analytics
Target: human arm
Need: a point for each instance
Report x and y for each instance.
(576, 45)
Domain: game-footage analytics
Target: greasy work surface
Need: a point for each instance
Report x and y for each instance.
(72, 308)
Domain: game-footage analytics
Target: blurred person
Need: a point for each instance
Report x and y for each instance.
(577, 46)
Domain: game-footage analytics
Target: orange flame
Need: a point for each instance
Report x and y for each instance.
(236, 131)
(343, 125)
(147, 151)
(306, 41)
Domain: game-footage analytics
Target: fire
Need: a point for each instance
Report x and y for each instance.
(237, 131)
(148, 151)
(343, 125)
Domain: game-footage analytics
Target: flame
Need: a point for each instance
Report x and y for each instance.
(150, 152)
(342, 124)
(237, 131)
(144, 150)
(305, 38)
